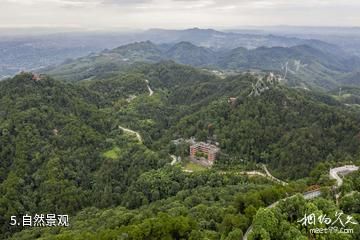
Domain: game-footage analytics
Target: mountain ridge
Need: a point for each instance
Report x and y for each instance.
(303, 65)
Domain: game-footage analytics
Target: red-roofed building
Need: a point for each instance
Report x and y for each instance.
(205, 152)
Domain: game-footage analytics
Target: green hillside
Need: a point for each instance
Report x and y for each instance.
(99, 149)
(281, 128)
(302, 66)
(256, 130)
(52, 139)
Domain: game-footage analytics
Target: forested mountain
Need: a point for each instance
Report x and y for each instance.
(348, 95)
(302, 66)
(62, 149)
(351, 79)
(54, 140)
(187, 53)
(270, 58)
(255, 129)
(203, 206)
(258, 128)
(281, 128)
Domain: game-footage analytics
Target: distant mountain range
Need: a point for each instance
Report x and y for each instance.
(302, 65)
(38, 51)
(211, 38)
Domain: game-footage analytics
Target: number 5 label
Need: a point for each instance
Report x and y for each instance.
(13, 221)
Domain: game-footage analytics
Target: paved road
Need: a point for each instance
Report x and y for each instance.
(252, 173)
(256, 173)
(132, 132)
(272, 177)
(344, 170)
(307, 196)
(151, 92)
(249, 173)
(334, 173)
(174, 160)
(312, 194)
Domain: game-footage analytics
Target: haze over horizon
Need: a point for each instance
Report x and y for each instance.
(175, 14)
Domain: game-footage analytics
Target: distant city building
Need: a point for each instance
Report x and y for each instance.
(205, 153)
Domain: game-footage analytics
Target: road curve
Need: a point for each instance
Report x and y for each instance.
(138, 136)
(267, 175)
(174, 160)
(334, 173)
(317, 193)
(151, 92)
(307, 196)
(272, 177)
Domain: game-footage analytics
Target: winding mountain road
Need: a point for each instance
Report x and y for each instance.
(174, 160)
(138, 136)
(307, 196)
(272, 177)
(334, 174)
(257, 173)
(151, 92)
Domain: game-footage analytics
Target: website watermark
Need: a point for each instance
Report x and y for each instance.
(331, 230)
(323, 224)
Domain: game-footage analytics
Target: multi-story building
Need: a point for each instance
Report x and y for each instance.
(208, 152)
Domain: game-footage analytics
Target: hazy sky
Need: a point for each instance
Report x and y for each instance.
(107, 14)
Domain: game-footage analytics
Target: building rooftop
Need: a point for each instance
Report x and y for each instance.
(208, 146)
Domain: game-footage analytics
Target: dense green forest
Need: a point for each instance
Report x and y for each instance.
(190, 102)
(281, 222)
(62, 151)
(274, 129)
(52, 144)
(285, 216)
(186, 206)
